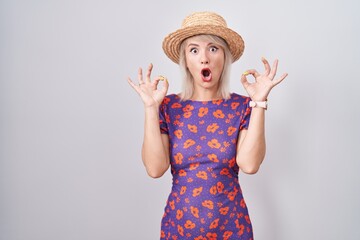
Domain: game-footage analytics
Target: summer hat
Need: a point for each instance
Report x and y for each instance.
(203, 23)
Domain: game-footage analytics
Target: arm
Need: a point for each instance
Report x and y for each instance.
(155, 148)
(251, 145)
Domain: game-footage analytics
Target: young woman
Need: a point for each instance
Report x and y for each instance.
(205, 133)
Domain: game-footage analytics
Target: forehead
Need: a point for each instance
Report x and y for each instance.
(205, 39)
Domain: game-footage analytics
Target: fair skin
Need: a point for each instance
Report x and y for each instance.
(203, 55)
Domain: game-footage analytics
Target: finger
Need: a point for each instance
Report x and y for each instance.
(244, 80)
(148, 73)
(252, 72)
(156, 82)
(266, 65)
(158, 79)
(165, 87)
(140, 75)
(133, 85)
(279, 80)
(274, 69)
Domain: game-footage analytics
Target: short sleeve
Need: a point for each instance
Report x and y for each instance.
(164, 129)
(245, 114)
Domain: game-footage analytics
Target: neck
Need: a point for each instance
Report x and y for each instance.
(206, 95)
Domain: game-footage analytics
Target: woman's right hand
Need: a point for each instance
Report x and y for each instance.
(148, 90)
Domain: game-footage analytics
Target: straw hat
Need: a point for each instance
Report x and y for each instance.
(203, 23)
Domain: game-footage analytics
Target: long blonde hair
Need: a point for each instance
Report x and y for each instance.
(188, 80)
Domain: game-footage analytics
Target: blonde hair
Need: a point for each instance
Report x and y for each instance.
(188, 80)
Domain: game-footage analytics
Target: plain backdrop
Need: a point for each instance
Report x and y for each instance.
(71, 127)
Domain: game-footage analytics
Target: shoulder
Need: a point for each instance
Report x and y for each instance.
(235, 97)
(170, 99)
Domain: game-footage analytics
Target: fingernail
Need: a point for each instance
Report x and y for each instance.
(162, 78)
(245, 73)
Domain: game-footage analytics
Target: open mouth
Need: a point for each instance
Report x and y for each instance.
(206, 74)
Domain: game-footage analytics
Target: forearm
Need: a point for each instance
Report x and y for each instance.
(252, 148)
(154, 153)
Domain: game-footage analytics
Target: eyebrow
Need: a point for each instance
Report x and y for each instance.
(197, 45)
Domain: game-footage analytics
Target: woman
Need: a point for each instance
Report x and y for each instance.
(205, 133)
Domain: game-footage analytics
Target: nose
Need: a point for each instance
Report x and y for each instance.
(204, 58)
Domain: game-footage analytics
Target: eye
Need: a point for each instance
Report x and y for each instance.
(193, 50)
(213, 49)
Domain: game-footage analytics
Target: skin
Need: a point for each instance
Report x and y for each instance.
(200, 54)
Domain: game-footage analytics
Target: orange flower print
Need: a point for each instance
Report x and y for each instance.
(193, 166)
(178, 133)
(247, 218)
(166, 100)
(203, 111)
(188, 143)
(202, 175)
(208, 204)
(211, 236)
(188, 108)
(197, 191)
(218, 114)
(214, 223)
(182, 173)
(200, 238)
(179, 214)
(241, 227)
(174, 237)
(220, 187)
(231, 130)
(194, 211)
(178, 123)
(192, 128)
(224, 210)
(224, 171)
(176, 105)
(187, 114)
(227, 234)
(172, 204)
(189, 224)
(213, 190)
(180, 230)
(162, 234)
(217, 102)
(234, 105)
(231, 196)
(232, 162)
(212, 127)
(214, 143)
(213, 157)
(182, 190)
(178, 158)
(242, 203)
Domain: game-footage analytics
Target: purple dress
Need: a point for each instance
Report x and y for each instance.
(206, 201)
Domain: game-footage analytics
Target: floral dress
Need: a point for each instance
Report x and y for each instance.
(206, 200)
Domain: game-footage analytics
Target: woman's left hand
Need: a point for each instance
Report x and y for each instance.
(260, 89)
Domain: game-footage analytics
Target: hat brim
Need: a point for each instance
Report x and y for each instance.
(172, 42)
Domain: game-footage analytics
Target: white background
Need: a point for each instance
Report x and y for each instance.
(71, 128)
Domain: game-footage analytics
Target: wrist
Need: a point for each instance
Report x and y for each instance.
(258, 104)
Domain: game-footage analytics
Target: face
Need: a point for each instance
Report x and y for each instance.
(205, 61)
